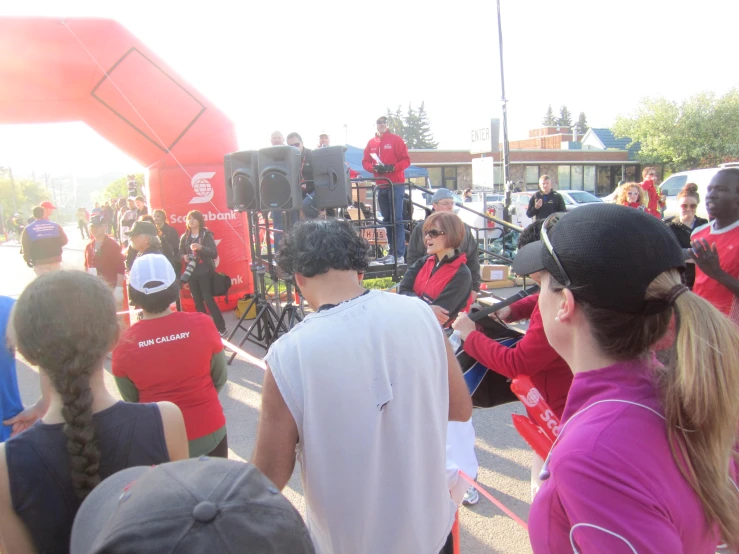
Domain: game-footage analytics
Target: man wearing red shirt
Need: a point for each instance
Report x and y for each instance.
(386, 156)
(103, 255)
(650, 174)
(715, 246)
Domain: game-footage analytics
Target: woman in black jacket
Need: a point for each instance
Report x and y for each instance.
(684, 224)
(441, 278)
(198, 244)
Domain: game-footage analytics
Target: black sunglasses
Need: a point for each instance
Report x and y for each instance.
(296, 145)
(433, 233)
(548, 243)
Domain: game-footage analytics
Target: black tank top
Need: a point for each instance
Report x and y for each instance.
(40, 485)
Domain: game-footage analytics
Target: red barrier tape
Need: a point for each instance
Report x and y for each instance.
(249, 358)
(499, 504)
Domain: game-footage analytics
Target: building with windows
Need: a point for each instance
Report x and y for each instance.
(595, 162)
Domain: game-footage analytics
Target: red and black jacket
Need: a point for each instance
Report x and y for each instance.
(392, 150)
(447, 283)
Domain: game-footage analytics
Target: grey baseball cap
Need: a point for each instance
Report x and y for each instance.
(190, 506)
(442, 194)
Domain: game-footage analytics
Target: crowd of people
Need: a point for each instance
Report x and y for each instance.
(641, 371)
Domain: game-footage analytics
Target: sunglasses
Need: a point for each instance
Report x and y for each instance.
(635, 193)
(548, 243)
(296, 145)
(689, 206)
(433, 233)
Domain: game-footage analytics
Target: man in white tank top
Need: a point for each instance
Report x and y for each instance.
(361, 392)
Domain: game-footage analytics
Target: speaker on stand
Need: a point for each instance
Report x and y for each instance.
(242, 180)
(333, 186)
(279, 178)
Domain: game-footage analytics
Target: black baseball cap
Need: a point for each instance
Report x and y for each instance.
(191, 506)
(609, 253)
(382, 119)
(142, 228)
(96, 220)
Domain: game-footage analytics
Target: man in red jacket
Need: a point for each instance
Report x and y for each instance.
(386, 156)
(649, 174)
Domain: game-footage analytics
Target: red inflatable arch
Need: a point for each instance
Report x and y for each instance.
(94, 70)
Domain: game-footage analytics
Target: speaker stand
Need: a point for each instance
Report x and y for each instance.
(263, 331)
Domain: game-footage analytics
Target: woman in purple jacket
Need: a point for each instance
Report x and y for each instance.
(644, 461)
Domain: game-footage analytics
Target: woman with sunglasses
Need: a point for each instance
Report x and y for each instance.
(684, 224)
(644, 460)
(441, 278)
(632, 195)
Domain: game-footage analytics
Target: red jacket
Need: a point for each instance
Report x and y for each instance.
(653, 203)
(532, 356)
(108, 261)
(391, 150)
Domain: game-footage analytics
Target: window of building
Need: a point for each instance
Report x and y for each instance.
(589, 178)
(435, 176)
(604, 180)
(563, 177)
(532, 174)
(450, 178)
(576, 177)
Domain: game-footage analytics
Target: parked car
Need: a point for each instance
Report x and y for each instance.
(576, 198)
(701, 177)
(573, 199)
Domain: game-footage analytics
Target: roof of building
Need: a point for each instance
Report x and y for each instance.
(609, 140)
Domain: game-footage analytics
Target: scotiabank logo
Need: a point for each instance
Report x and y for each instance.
(202, 187)
(208, 216)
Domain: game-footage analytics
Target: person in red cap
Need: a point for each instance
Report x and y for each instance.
(42, 241)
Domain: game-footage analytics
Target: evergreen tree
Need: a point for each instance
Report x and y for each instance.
(565, 117)
(549, 119)
(582, 124)
(411, 135)
(395, 121)
(425, 136)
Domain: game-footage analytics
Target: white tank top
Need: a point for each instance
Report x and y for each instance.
(367, 385)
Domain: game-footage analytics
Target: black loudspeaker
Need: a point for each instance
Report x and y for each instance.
(331, 178)
(279, 178)
(242, 172)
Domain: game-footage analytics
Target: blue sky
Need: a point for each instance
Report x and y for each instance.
(345, 62)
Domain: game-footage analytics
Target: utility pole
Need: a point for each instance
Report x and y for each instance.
(12, 187)
(506, 154)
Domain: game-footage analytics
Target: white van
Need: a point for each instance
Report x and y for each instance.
(675, 182)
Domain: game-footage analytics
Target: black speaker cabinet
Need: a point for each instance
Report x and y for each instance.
(331, 178)
(279, 178)
(242, 172)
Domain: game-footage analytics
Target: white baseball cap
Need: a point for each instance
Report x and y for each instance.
(151, 268)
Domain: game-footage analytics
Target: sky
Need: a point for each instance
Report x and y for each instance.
(312, 66)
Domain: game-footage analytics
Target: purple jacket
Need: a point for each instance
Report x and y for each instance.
(614, 485)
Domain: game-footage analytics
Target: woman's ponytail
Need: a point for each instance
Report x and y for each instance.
(700, 394)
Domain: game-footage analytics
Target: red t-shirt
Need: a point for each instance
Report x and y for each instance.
(168, 358)
(727, 246)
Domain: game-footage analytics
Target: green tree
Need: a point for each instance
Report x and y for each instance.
(582, 123)
(549, 119)
(118, 188)
(395, 121)
(411, 136)
(28, 193)
(702, 131)
(565, 117)
(425, 136)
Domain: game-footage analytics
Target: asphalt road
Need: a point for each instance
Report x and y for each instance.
(505, 460)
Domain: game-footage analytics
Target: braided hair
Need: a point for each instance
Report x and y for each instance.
(65, 323)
